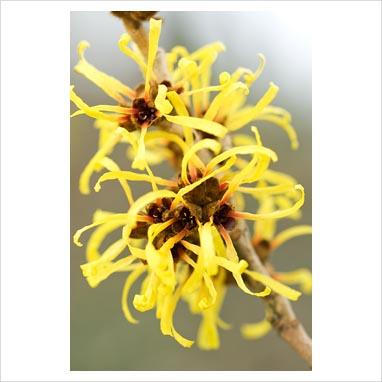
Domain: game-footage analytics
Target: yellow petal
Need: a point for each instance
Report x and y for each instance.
(278, 214)
(110, 165)
(88, 110)
(250, 173)
(231, 253)
(97, 158)
(161, 103)
(123, 46)
(283, 124)
(130, 280)
(265, 228)
(301, 277)
(115, 218)
(167, 326)
(146, 300)
(218, 100)
(207, 126)
(209, 298)
(205, 76)
(249, 76)
(194, 281)
(274, 285)
(237, 269)
(242, 150)
(285, 202)
(154, 33)
(140, 159)
(112, 108)
(129, 175)
(97, 237)
(261, 192)
(277, 177)
(110, 85)
(181, 109)
(99, 270)
(244, 116)
(256, 330)
(210, 144)
(290, 233)
(159, 136)
(206, 50)
(207, 248)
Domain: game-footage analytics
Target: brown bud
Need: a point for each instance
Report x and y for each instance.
(137, 16)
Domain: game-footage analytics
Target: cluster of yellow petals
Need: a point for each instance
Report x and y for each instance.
(199, 275)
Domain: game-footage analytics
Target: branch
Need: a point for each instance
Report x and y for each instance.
(281, 314)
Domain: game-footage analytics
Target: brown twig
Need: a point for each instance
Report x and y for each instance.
(281, 314)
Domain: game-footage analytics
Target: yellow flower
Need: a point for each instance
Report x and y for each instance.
(228, 106)
(185, 101)
(187, 251)
(137, 109)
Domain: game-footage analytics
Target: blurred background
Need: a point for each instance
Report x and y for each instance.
(101, 338)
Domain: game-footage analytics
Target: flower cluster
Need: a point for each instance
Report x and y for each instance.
(178, 234)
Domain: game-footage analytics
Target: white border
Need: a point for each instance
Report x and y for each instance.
(346, 178)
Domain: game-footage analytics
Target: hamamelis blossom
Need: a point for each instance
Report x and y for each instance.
(187, 250)
(138, 109)
(189, 101)
(228, 106)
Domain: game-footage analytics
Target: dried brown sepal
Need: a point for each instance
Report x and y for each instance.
(137, 16)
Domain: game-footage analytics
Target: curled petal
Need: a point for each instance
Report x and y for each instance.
(167, 325)
(181, 109)
(274, 285)
(154, 33)
(105, 150)
(249, 76)
(290, 233)
(256, 330)
(246, 115)
(129, 175)
(161, 103)
(237, 270)
(110, 85)
(207, 126)
(301, 277)
(283, 124)
(260, 192)
(92, 112)
(278, 214)
(218, 100)
(130, 280)
(116, 218)
(123, 46)
(101, 269)
(97, 237)
(242, 150)
(211, 144)
(110, 165)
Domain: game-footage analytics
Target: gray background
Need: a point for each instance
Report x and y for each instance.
(101, 338)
